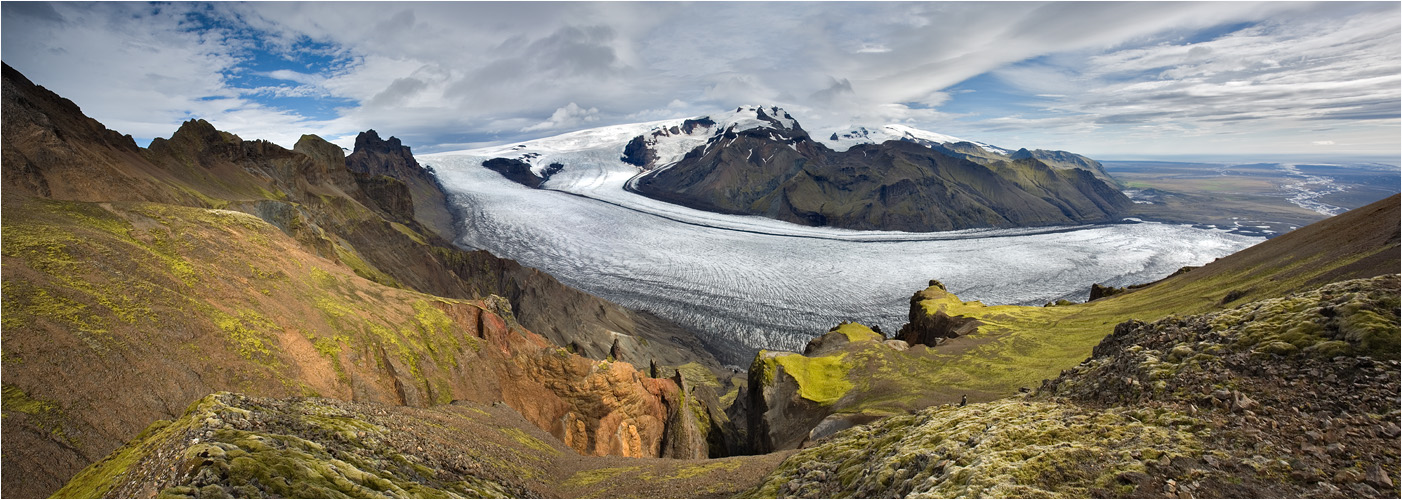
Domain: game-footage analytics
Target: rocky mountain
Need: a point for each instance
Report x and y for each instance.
(388, 160)
(979, 152)
(139, 280)
(766, 164)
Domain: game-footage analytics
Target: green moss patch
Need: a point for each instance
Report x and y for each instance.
(251, 334)
(528, 440)
(697, 470)
(1005, 449)
(857, 332)
(820, 379)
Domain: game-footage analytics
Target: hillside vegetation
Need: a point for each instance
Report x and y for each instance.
(1238, 403)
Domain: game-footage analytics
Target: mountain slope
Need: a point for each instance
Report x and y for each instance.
(776, 170)
(978, 152)
(138, 280)
(348, 216)
(120, 314)
(952, 349)
(1217, 405)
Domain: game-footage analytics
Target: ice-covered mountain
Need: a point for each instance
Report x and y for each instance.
(895, 132)
(758, 160)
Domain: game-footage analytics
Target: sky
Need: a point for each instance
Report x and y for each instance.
(1106, 79)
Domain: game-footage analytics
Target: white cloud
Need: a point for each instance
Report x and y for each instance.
(293, 76)
(569, 116)
(447, 73)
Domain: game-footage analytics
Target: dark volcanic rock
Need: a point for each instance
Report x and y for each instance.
(374, 157)
(518, 171)
(777, 417)
(932, 327)
(637, 153)
(1099, 292)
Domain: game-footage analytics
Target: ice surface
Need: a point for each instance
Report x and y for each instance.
(770, 284)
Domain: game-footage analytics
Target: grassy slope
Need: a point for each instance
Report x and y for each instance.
(1018, 346)
(145, 307)
(119, 314)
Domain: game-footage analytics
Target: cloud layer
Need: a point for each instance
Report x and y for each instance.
(1101, 78)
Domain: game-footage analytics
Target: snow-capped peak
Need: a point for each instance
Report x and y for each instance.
(752, 117)
(667, 140)
(843, 141)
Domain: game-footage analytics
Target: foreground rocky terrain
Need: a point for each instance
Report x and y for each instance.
(951, 350)
(1287, 397)
(231, 445)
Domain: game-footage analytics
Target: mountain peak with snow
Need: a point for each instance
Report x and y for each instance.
(752, 117)
(842, 141)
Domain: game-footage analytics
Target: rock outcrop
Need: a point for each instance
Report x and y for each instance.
(374, 158)
(1098, 292)
(779, 416)
(929, 324)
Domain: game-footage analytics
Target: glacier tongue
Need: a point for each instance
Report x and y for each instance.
(761, 283)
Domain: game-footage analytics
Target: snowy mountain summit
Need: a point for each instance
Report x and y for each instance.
(861, 135)
(666, 145)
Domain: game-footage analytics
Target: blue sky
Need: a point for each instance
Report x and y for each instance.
(1111, 80)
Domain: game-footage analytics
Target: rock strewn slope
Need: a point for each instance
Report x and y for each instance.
(1281, 398)
(232, 445)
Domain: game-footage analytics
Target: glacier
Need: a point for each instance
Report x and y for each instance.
(765, 284)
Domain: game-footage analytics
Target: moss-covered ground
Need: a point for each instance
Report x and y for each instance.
(1281, 397)
(195, 300)
(1010, 448)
